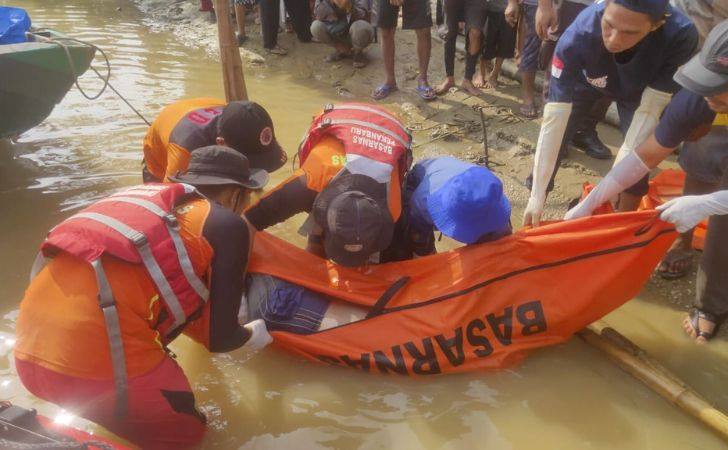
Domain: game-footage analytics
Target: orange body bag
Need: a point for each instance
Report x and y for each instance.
(477, 307)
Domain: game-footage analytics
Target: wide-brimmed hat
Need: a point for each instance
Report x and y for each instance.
(706, 73)
(470, 205)
(352, 211)
(248, 128)
(218, 165)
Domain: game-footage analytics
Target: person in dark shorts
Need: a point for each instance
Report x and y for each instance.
(499, 43)
(454, 13)
(241, 7)
(270, 13)
(700, 107)
(529, 60)
(416, 15)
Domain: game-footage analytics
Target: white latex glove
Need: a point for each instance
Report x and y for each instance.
(534, 210)
(645, 120)
(688, 211)
(553, 126)
(259, 336)
(623, 175)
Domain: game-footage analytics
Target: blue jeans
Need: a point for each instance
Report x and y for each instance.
(284, 306)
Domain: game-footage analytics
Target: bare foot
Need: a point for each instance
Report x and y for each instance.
(491, 83)
(468, 86)
(478, 80)
(445, 86)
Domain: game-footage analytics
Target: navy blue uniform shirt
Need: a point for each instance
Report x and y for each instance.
(685, 115)
(582, 62)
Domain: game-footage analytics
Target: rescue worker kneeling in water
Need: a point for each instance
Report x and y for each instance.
(196, 123)
(93, 327)
(352, 163)
(461, 200)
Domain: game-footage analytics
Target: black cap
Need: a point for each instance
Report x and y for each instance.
(352, 211)
(217, 166)
(248, 128)
(707, 73)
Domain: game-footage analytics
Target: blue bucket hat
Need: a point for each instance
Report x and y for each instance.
(470, 205)
(656, 9)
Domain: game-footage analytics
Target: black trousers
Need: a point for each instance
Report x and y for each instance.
(270, 12)
(712, 283)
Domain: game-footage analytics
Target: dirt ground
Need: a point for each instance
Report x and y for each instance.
(448, 125)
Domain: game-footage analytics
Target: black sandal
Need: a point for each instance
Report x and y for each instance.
(695, 316)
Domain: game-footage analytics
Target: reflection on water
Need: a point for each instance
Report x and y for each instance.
(564, 397)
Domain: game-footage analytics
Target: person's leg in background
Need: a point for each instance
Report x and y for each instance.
(453, 15)
(586, 137)
(161, 406)
(206, 6)
(387, 23)
(361, 34)
(240, 21)
(711, 301)
(500, 44)
(476, 15)
(300, 13)
(270, 13)
(679, 259)
(529, 63)
(417, 15)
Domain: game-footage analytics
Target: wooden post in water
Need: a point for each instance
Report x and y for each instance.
(639, 364)
(232, 64)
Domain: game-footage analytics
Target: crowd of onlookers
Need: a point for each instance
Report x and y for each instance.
(493, 30)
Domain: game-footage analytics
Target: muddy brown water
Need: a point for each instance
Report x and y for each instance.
(565, 397)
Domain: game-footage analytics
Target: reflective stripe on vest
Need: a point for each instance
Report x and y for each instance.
(150, 263)
(116, 344)
(101, 229)
(173, 229)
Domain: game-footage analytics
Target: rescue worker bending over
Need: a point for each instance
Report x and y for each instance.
(200, 122)
(462, 200)
(125, 277)
(701, 106)
(626, 50)
(352, 162)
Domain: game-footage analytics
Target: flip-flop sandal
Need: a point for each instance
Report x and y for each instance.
(695, 316)
(381, 92)
(529, 111)
(426, 93)
(672, 258)
(277, 50)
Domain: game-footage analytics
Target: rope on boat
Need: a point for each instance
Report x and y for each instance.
(72, 65)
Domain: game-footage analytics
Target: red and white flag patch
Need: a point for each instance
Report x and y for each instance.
(557, 66)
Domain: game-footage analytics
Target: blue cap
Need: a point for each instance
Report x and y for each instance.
(656, 9)
(470, 205)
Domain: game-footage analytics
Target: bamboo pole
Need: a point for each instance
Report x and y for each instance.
(639, 364)
(232, 64)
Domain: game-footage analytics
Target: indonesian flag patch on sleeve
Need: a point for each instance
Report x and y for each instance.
(557, 66)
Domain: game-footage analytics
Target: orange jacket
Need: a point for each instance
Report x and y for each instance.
(180, 128)
(61, 326)
(297, 193)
